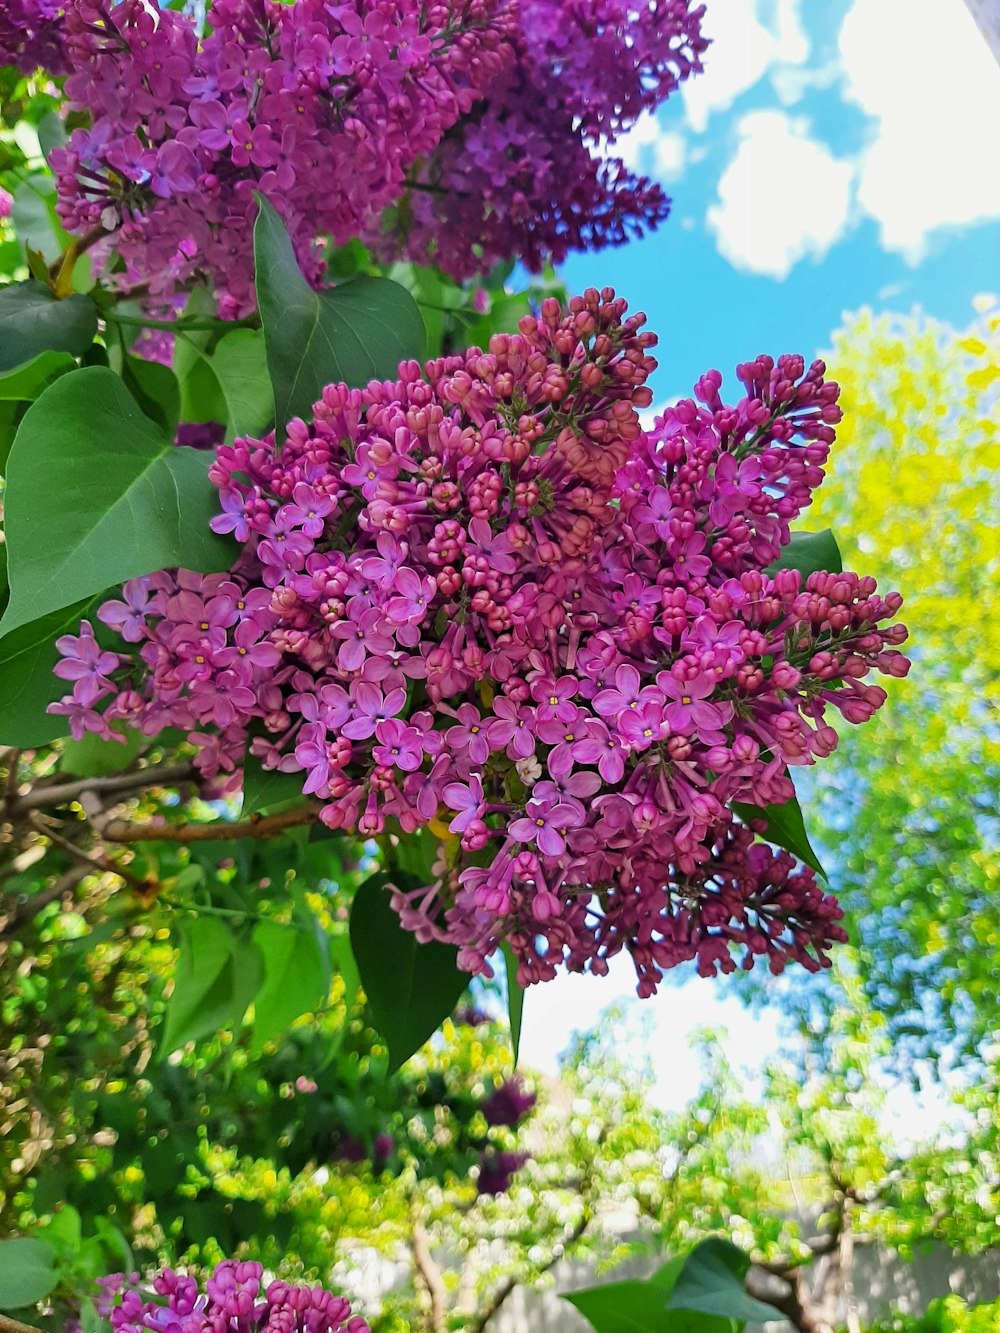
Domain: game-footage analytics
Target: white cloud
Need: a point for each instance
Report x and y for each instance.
(669, 156)
(782, 197)
(634, 146)
(650, 150)
(924, 73)
(749, 38)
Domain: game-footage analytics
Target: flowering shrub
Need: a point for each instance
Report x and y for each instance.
(483, 596)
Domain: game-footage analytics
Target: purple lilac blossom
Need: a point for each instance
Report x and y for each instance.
(581, 722)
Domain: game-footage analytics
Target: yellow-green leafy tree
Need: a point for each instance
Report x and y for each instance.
(909, 810)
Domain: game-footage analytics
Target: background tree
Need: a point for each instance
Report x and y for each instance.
(910, 812)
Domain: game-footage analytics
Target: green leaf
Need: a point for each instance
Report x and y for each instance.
(27, 683)
(711, 1282)
(33, 320)
(94, 757)
(352, 333)
(154, 387)
(27, 1272)
(35, 219)
(64, 1230)
(216, 978)
(202, 398)
(129, 502)
(808, 552)
(785, 828)
(296, 980)
(51, 133)
(265, 788)
(90, 1320)
(343, 962)
(26, 381)
(515, 999)
(637, 1306)
(239, 362)
(412, 988)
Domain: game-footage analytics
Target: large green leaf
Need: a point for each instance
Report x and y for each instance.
(217, 976)
(33, 320)
(711, 1282)
(785, 828)
(239, 361)
(96, 495)
(27, 682)
(411, 987)
(296, 979)
(352, 333)
(515, 998)
(27, 1272)
(26, 381)
(640, 1306)
(808, 552)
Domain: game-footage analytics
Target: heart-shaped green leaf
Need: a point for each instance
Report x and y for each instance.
(411, 987)
(27, 1272)
(96, 494)
(33, 320)
(296, 979)
(217, 976)
(711, 1282)
(352, 333)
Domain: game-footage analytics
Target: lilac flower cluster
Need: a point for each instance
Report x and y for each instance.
(233, 1299)
(323, 107)
(497, 1171)
(485, 127)
(482, 599)
(509, 1103)
(31, 35)
(534, 173)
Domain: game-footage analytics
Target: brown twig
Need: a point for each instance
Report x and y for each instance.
(98, 862)
(78, 245)
(430, 1275)
(27, 912)
(257, 826)
(510, 1284)
(8, 1325)
(58, 793)
(11, 759)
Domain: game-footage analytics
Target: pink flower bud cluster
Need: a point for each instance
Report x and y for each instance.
(485, 126)
(233, 1299)
(323, 107)
(483, 599)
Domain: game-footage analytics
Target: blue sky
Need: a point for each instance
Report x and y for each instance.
(835, 154)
